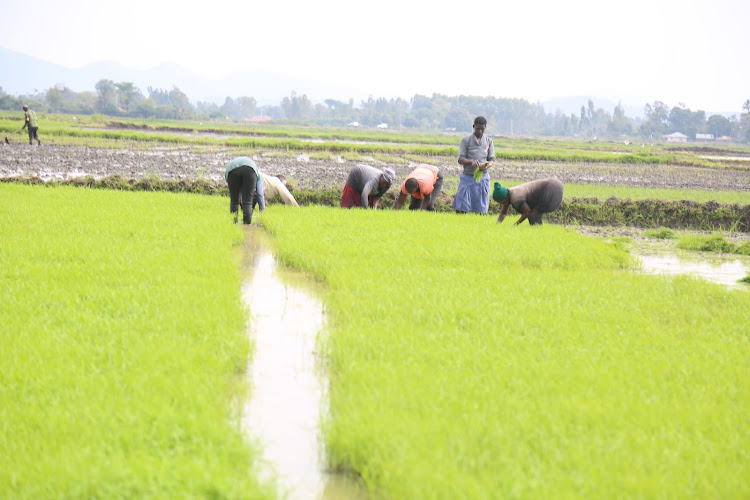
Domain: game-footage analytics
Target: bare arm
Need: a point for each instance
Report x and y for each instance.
(286, 195)
(399, 201)
(503, 213)
(525, 212)
(425, 201)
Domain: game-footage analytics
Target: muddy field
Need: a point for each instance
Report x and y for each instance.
(65, 162)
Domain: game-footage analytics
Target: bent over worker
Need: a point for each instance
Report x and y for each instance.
(531, 199)
(243, 179)
(366, 185)
(423, 184)
(271, 186)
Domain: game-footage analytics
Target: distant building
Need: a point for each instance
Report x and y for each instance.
(352, 124)
(704, 137)
(258, 119)
(675, 137)
(724, 138)
(382, 125)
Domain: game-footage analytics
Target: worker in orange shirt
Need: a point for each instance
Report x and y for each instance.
(423, 184)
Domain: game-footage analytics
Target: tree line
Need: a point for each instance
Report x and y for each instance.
(507, 116)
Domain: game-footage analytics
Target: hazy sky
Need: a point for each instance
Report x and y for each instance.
(696, 52)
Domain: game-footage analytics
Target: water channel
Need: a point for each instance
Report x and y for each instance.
(288, 385)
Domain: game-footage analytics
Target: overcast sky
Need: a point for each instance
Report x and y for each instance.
(637, 51)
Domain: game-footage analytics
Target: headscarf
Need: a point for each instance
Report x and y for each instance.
(389, 174)
(499, 192)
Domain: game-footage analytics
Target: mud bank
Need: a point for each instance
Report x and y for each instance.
(306, 171)
(573, 211)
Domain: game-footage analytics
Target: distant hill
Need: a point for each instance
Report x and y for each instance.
(22, 75)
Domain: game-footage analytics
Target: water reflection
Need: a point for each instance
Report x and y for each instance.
(725, 270)
(288, 389)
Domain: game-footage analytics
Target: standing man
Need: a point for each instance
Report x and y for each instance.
(242, 179)
(477, 151)
(532, 199)
(31, 124)
(423, 184)
(366, 185)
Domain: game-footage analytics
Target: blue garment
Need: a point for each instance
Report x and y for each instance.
(472, 196)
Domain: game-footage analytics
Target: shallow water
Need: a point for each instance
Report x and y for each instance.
(288, 386)
(725, 270)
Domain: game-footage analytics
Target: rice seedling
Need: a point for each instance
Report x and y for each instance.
(471, 360)
(713, 243)
(604, 192)
(663, 233)
(122, 337)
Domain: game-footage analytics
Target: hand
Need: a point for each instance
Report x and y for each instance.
(476, 163)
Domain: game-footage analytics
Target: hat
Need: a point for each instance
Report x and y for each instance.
(389, 174)
(499, 192)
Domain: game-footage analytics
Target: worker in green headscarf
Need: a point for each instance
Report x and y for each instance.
(532, 199)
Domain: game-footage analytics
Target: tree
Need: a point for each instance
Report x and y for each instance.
(657, 120)
(458, 118)
(746, 106)
(160, 97)
(297, 108)
(619, 124)
(105, 102)
(54, 99)
(681, 119)
(179, 100)
(228, 108)
(128, 96)
(246, 107)
(718, 126)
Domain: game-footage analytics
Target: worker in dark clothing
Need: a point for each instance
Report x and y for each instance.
(532, 199)
(366, 185)
(31, 123)
(242, 177)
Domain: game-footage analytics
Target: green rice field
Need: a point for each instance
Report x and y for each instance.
(476, 360)
(123, 337)
(466, 359)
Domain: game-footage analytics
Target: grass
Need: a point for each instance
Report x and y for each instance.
(475, 360)
(713, 243)
(123, 334)
(663, 233)
(604, 192)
